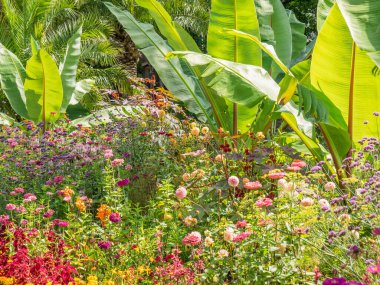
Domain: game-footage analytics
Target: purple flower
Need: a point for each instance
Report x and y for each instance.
(340, 281)
(335, 281)
(376, 231)
(103, 244)
(123, 182)
(115, 217)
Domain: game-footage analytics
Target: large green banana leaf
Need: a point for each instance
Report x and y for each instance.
(241, 84)
(12, 76)
(264, 10)
(363, 20)
(177, 37)
(343, 72)
(68, 68)
(43, 88)
(282, 35)
(238, 15)
(183, 87)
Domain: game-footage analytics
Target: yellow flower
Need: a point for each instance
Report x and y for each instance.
(161, 113)
(92, 280)
(6, 280)
(195, 131)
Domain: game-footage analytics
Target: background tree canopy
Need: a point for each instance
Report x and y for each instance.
(305, 11)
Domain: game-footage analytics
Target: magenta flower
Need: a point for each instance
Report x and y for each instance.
(376, 231)
(242, 236)
(374, 269)
(123, 182)
(58, 179)
(103, 244)
(48, 213)
(115, 217)
(241, 224)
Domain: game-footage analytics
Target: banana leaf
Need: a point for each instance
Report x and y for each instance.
(343, 72)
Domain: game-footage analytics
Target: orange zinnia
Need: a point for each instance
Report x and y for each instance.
(103, 213)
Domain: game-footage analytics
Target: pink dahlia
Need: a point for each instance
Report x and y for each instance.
(192, 238)
(181, 192)
(293, 168)
(252, 185)
(276, 175)
(242, 236)
(299, 163)
(264, 202)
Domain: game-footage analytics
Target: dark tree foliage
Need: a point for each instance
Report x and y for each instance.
(305, 11)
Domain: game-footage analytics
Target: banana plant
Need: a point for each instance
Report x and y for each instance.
(346, 79)
(41, 92)
(192, 87)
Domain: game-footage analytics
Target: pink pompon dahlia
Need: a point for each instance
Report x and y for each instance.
(233, 181)
(192, 238)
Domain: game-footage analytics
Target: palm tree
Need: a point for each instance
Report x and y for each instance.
(52, 23)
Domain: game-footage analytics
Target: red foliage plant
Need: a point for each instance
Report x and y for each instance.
(16, 260)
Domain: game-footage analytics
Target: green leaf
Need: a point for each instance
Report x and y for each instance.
(242, 84)
(109, 115)
(323, 9)
(81, 88)
(343, 72)
(185, 88)
(12, 76)
(282, 34)
(68, 68)
(237, 15)
(43, 88)
(34, 44)
(268, 49)
(317, 107)
(362, 18)
(299, 39)
(177, 37)
(264, 10)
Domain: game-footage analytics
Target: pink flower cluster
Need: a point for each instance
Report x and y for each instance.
(192, 238)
